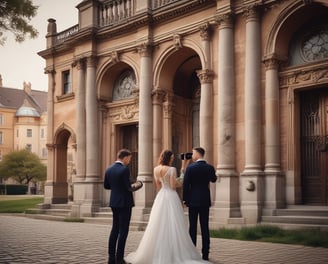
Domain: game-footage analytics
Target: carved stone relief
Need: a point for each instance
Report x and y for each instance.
(124, 113)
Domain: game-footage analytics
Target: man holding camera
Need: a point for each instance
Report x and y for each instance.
(196, 196)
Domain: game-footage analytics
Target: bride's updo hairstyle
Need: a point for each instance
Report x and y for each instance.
(165, 157)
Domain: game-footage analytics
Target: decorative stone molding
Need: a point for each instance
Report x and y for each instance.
(49, 71)
(126, 112)
(205, 31)
(177, 41)
(168, 109)
(168, 105)
(79, 63)
(145, 49)
(273, 61)
(225, 20)
(158, 96)
(205, 76)
(271, 64)
(303, 76)
(50, 146)
(65, 97)
(113, 57)
(92, 61)
(251, 12)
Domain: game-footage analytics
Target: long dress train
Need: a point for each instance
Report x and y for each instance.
(166, 239)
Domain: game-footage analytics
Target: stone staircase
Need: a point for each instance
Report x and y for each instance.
(104, 216)
(50, 212)
(299, 216)
(293, 217)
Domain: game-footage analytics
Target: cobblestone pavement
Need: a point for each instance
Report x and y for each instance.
(26, 240)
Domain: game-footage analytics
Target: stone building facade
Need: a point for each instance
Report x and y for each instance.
(23, 124)
(246, 80)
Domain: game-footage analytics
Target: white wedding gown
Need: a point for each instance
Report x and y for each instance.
(166, 239)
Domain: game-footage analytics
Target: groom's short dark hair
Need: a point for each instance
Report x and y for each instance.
(200, 150)
(123, 153)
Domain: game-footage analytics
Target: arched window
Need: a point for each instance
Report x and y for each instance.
(125, 86)
(310, 43)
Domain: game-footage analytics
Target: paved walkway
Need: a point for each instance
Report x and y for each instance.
(26, 240)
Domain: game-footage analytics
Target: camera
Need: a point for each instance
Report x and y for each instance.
(186, 156)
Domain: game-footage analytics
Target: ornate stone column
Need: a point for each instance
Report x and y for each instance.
(226, 204)
(252, 181)
(206, 98)
(206, 118)
(80, 166)
(93, 184)
(274, 178)
(145, 196)
(49, 185)
(167, 121)
(158, 97)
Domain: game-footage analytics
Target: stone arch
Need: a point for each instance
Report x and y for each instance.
(110, 71)
(175, 78)
(159, 80)
(119, 126)
(63, 139)
(292, 82)
(288, 21)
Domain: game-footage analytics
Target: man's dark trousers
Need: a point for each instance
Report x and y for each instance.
(121, 222)
(203, 213)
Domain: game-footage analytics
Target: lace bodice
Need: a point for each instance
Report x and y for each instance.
(165, 179)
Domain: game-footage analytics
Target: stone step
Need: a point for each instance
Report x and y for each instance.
(103, 214)
(54, 212)
(320, 212)
(292, 219)
(61, 206)
(58, 212)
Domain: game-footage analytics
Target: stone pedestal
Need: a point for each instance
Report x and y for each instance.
(252, 194)
(92, 198)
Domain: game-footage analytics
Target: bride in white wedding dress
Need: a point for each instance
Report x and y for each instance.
(166, 239)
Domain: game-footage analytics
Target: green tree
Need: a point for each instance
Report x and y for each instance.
(23, 166)
(15, 16)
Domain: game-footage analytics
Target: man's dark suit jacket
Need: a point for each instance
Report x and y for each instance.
(196, 191)
(117, 180)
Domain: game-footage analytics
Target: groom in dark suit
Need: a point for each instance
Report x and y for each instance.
(117, 179)
(196, 195)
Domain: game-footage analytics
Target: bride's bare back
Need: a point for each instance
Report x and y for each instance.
(163, 171)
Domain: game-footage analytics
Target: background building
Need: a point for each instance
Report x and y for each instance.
(246, 80)
(23, 120)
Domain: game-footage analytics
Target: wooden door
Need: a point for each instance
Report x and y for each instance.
(314, 146)
(130, 141)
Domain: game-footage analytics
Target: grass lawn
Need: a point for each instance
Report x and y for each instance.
(274, 234)
(19, 204)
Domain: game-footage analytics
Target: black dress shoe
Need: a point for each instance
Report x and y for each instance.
(205, 257)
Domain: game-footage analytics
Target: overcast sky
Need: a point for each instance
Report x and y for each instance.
(20, 62)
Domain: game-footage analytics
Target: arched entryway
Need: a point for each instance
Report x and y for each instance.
(181, 102)
(64, 167)
(302, 40)
(118, 93)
